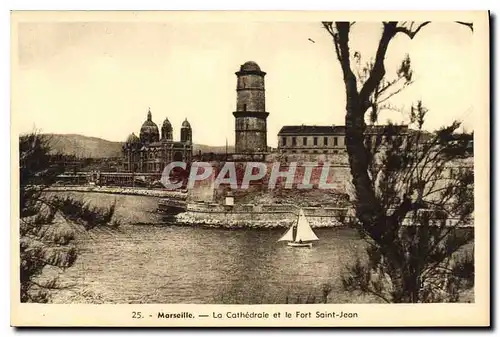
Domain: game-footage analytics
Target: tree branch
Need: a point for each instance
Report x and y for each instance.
(468, 24)
(378, 71)
(409, 31)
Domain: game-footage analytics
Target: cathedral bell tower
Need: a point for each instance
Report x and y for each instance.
(186, 132)
(250, 115)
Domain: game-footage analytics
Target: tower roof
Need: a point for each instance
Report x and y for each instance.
(250, 66)
(149, 127)
(167, 124)
(132, 139)
(186, 124)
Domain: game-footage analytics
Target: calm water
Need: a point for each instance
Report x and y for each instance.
(158, 263)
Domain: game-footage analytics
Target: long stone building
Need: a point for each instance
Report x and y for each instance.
(312, 139)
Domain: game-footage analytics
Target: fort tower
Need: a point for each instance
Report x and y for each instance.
(250, 115)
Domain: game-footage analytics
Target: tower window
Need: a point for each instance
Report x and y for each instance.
(315, 141)
(294, 141)
(325, 141)
(335, 141)
(304, 141)
(283, 141)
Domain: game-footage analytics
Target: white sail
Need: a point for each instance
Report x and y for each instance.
(288, 235)
(304, 231)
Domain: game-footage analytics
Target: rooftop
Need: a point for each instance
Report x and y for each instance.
(329, 129)
(250, 66)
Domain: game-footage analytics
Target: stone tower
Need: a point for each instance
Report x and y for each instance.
(186, 132)
(250, 114)
(166, 130)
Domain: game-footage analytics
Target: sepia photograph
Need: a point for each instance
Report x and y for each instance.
(307, 160)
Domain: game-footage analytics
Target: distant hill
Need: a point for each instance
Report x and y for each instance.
(93, 147)
(83, 146)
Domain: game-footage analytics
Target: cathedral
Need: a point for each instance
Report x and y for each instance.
(151, 152)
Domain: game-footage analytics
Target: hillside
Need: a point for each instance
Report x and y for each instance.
(83, 146)
(93, 147)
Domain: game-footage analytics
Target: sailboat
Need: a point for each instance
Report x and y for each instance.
(303, 234)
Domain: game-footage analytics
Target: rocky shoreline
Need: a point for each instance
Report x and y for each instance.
(257, 221)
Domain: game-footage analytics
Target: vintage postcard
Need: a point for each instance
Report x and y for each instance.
(250, 169)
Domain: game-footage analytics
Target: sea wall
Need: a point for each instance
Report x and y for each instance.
(278, 215)
(120, 190)
(258, 216)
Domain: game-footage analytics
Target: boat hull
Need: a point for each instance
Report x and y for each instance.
(297, 244)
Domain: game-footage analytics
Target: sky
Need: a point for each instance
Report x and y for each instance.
(100, 78)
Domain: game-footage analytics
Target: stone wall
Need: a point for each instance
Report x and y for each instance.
(250, 93)
(157, 193)
(275, 216)
(338, 158)
(258, 216)
(251, 134)
(338, 179)
(202, 191)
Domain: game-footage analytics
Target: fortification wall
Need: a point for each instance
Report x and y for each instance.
(258, 215)
(157, 193)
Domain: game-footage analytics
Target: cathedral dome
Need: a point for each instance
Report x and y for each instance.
(186, 124)
(250, 66)
(149, 127)
(133, 139)
(149, 130)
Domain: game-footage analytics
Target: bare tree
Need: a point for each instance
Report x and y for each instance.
(399, 179)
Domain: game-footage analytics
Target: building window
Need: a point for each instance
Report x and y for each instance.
(315, 141)
(304, 141)
(325, 151)
(325, 141)
(283, 141)
(294, 141)
(335, 141)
